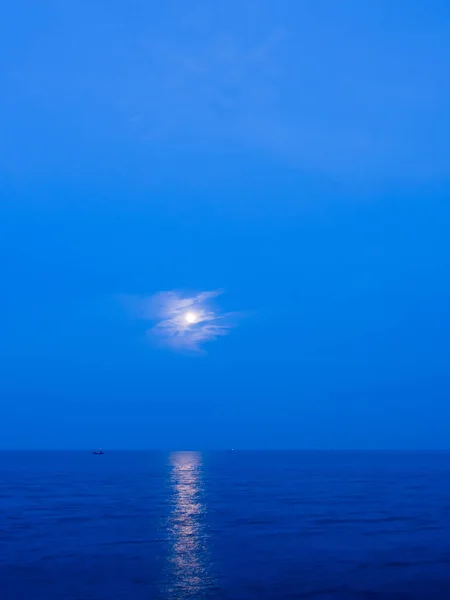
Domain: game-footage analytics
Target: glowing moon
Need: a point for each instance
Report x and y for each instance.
(190, 318)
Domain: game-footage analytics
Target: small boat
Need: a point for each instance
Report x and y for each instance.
(99, 451)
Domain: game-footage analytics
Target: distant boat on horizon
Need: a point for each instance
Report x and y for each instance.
(99, 451)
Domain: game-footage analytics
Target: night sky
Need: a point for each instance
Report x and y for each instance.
(293, 156)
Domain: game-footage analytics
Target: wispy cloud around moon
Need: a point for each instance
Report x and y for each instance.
(183, 322)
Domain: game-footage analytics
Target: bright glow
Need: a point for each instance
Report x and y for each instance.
(181, 322)
(190, 317)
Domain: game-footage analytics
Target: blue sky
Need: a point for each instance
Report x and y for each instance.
(294, 155)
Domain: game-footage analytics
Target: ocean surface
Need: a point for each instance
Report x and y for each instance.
(224, 525)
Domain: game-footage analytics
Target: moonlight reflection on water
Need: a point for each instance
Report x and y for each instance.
(189, 560)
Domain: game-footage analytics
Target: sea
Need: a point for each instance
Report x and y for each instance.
(224, 525)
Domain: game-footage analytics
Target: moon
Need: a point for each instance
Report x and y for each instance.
(190, 318)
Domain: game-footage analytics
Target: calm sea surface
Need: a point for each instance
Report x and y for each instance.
(231, 525)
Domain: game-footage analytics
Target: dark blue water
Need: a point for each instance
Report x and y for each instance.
(224, 526)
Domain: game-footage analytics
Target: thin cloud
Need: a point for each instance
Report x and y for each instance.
(182, 322)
